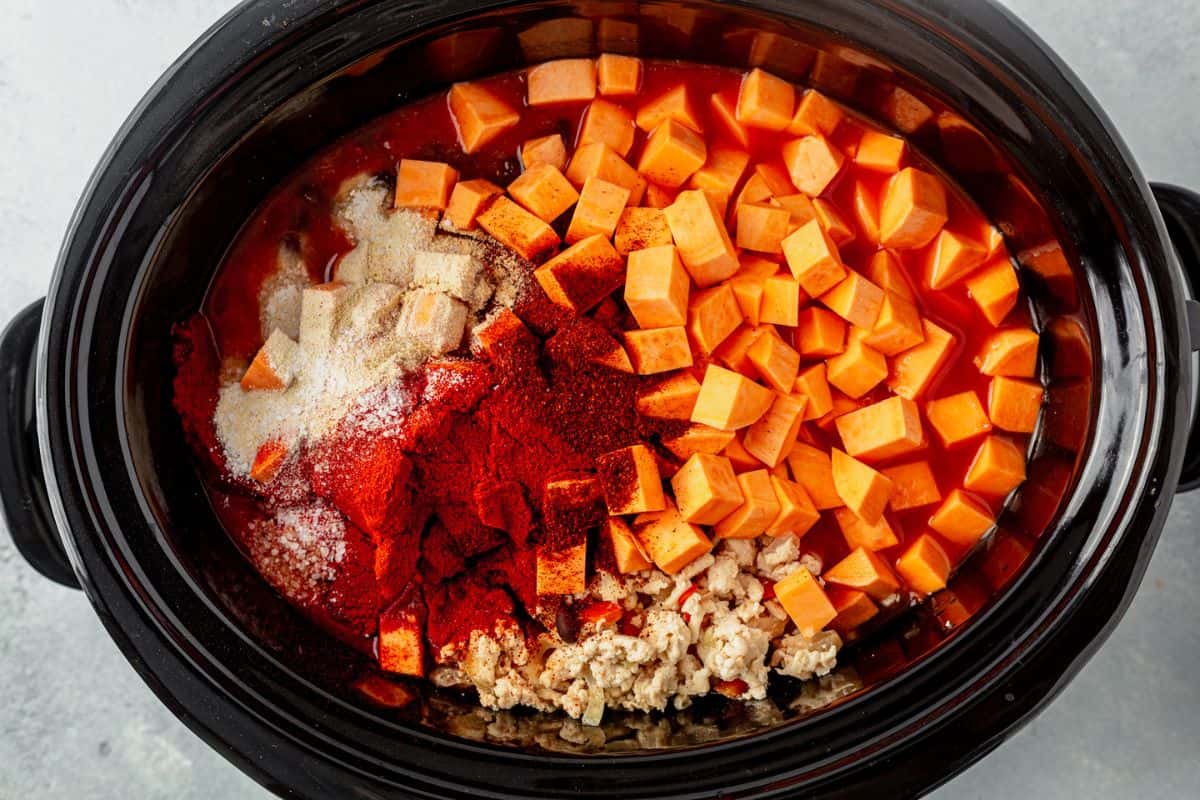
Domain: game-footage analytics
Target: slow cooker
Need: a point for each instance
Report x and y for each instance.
(99, 490)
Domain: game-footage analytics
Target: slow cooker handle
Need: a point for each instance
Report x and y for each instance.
(1181, 210)
(23, 498)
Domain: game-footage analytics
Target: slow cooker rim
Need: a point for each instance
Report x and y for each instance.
(55, 299)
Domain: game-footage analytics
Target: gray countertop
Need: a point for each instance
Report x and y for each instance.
(76, 722)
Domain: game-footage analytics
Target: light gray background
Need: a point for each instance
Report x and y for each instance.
(76, 722)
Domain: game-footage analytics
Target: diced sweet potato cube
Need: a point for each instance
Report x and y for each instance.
(676, 104)
(543, 191)
(775, 176)
(706, 489)
(698, 438)
(383, 692)
(468, 199)
(1012, 352)
(432, 319)
(865, 571)
(1014, 404)
(813, 469)
(479, 116)
(997, 469)
(630, 480)
(755, 266)
(865, 207)
(721, 171)
(274, 366)
(833, 222)
(598, 160)
(880, 152)
(724, 112)
(658, 350)
(813, 258)
(801, 209)
(913, 209)
(776, 362)
(781, 298)
(797, 514)
(863, 490)
(805, 602)
(672, 541)
(729, 401)
(562, 570)
(673, 397)
(402, 639)
(671, 154)
(889, 428)
(758, 508)
(820, 333)
(627, 549)
(853, 608)
(704, 245)
(761, 227)
(732, 352)
(268, 460)
(424, 184)
(858, 369)
(583, 274)
(906, 112)
(640, 229)
(815, 114)
(957, 418)
(614, 357)
(914, 369)
(545, 150)
(599, 207)
(656, 287)
(607, 122)
(658, 196)
(812, 163)
(517, 229)
(886, 272)
(567, 80)
(855, 299)
(961, 518)
(995, 289)
(765, 101)
(754, 190)
(618, 75)
(952, 258)
(741, 458)
(924, 565)
(841, 405)
(500, 334)
(771, 437)
(858, 533)
(897, 328)
(748, 292)
(713, 314)
(812, 384)
(915, 485)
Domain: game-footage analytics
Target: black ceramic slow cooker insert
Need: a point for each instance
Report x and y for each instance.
(100, 492)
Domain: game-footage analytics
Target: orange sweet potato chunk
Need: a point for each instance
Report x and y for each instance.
(758, 508)
(268, 460)
(618, 75)
(913, 370)
(748, 291)
(878, 535)
(697, 438)
(1014, 404)
(820, 333)
(627, 549)
(543, 191)
(863, 490)
(886, 272)
(671, 154)
(704, 244)
(997, 468)
(741, 458)
(468, 199)
(812, 163)
(724, 113)
(598, 210)
(677, 104)
(765, 101)
(658, 350)
(630, 480)
(880, 152)
(856, 300)
(858, 369)
(479, 115)
(915, 483)
(1011, 352)
(642, 228)
(729, 401)
(816, 114)
(865, 571)
(562, 570)
(706, 489)
(761, 227)
(721, 172)
(813, 385)
(952, 258)
(402, 640)
(961, 518)
(924, 565)
(713, 314)
(424, 184)
(274, 365)
(957, 418)
(995, 289)
(567, 80)
(544, 150)
(813, 258)
(732, 351)
(889, 428)
(583, 274)
(805, 602)
(656, 287)
(772, 435)
(517, 229)
(854, 608)
(813, 469)
(865, 207)
(598, 160)
(797, 514)
(607, 122)
(833, 222)
(780, 303)
(671, 541)
(913, 209)
(775, 361)
(672, 397)
(898, 326)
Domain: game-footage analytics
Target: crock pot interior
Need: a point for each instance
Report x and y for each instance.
(263, 131)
